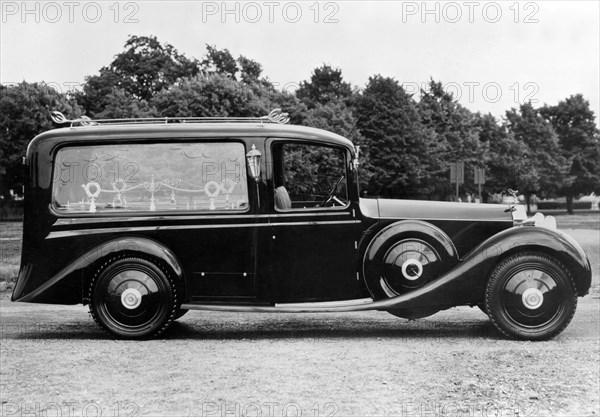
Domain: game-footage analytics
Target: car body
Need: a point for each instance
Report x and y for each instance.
(146, 219)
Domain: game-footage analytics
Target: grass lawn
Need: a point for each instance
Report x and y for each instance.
(10, 253)
(589, 220)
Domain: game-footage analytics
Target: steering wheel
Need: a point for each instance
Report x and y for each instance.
(331, 194)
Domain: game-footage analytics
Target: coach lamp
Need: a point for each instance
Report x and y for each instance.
(355, 162)
(253, 158)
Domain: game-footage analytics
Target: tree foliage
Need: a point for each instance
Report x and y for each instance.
(326, 84)
(397, 143)
(219, 62)
(579, 139)
(454, 138)
(337, 117)
(121, 105)
(143, 69)
(406, 142)
(250, 70)
(24, 113)
(543, 166)
(505, 154)
(208, 96)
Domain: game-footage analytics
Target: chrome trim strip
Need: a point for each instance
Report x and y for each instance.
(320, 307)
(113, 219)
(315, 209)
(326, 304)
(61, 234)
(447, 219)
(312, 213)
(92, 220)
(88, 220)
(315, 223)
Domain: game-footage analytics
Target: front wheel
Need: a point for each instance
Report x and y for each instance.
(133, 298)
(180, 313)
(530, 296)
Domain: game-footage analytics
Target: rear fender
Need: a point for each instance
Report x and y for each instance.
(69, 280)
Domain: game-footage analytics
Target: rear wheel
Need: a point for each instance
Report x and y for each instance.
(133, 298)
(530, 296)
(481, 306)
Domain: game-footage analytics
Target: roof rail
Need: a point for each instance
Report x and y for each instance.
(275, 116)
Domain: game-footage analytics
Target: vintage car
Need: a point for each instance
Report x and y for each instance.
(146, 219)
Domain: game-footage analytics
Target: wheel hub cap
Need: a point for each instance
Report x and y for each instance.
(412, 269)
(131, 298)
(532, 298)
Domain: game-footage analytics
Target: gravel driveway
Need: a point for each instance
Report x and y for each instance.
(233, 364)
(55, 362)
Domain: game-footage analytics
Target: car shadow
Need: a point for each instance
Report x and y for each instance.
(283, 328)
(323, 332)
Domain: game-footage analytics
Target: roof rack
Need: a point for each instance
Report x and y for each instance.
(275, 116)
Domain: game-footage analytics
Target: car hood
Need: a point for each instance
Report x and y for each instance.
(434, 210)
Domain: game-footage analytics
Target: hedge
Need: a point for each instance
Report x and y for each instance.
(558, 205)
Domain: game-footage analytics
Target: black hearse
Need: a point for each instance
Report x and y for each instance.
(145, 219)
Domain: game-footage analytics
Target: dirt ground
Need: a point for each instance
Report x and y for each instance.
(54, 361)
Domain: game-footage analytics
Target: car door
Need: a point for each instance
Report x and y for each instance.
(313, 229)
(215, 232)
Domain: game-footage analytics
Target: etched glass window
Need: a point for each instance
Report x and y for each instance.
(161, 177)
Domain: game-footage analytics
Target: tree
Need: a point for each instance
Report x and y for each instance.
(122, 105)
(337, 117)
(94, 97)
(24, 113)
(574, 123)
(250, 70)
(455, 137)
(326, 84)
(220, 62)
(505, 154)
(209, 96)
(396, 142)
(544, 168)
(143, 69)
(269, 98)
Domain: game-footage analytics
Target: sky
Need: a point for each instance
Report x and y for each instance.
(492, 55)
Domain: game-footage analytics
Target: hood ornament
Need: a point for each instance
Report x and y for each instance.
(513, 193)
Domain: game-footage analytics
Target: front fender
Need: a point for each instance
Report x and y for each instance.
(66, 285)
(465, 283)
(550, 241)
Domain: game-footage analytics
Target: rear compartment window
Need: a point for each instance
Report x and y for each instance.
(150, 177)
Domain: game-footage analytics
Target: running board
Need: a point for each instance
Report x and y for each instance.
(442, 293)
(320, 307)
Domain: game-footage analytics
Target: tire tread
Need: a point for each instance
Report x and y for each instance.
(496, 274)
(172, 288)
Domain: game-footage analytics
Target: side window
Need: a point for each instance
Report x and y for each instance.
(177, 177)
(309, 176)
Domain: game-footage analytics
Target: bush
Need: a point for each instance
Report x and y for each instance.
(11, 210)
(562, 205)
